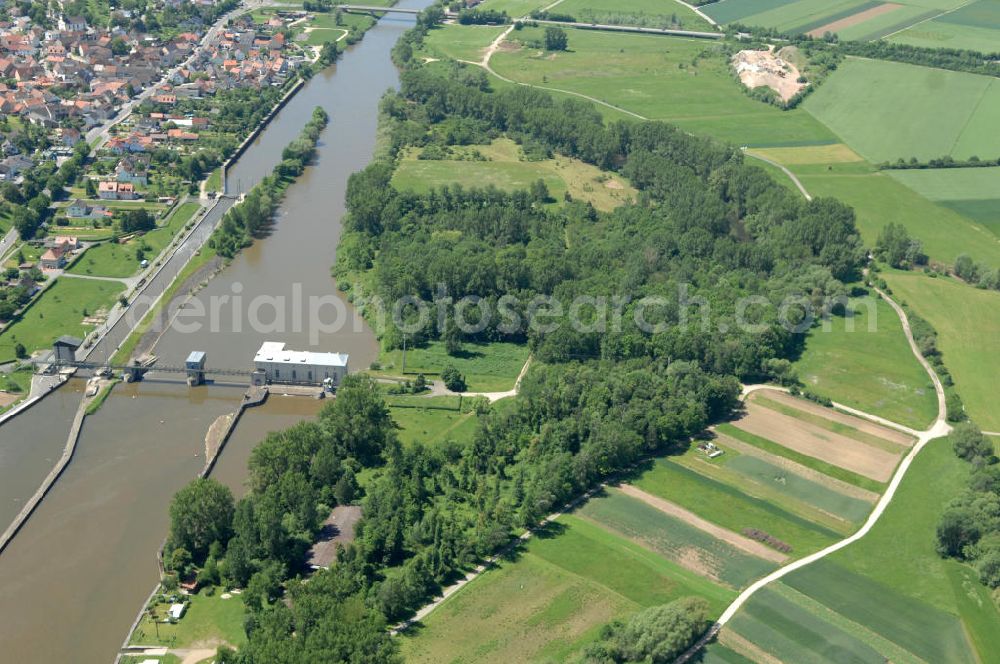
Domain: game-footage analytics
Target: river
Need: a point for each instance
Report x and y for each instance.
(73, 579)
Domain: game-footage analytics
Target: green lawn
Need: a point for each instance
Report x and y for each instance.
(967, 321)
(887, 110)
(214, 180)
(119, 260)
(553, 599)
(487, 367)
(60, 310)
(731, 508)
(431, 420)
(674, 539)
(209, 619)
(683, 81)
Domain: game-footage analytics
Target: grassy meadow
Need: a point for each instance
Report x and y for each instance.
(967, 321)
(460, 42)
(869, 367)
(490, 367)
(503, 165)
(431, 420)
(889, 110)
(650, 13)
(209, 618)
(683, 81)
(972, 192)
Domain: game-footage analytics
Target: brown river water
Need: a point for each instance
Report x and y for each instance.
(73, 579)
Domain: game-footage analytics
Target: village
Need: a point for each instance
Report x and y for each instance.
(113, 137)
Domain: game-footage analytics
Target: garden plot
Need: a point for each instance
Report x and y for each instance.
(809, 438)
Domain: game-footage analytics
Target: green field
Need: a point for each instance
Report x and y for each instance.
(553, 599)
(654, 77)
(431, 420)
(460, 42)
(515, 8)
(209, 619)
(504, 167)
(799, 488)
(975, 26)
(889, 110)
(890, 589)
(781, 628)
(648, 13)
(111, 259)
(879, 199)
(796, 16)
(59, 310)
(673, 538)
(971, 192)
(967, 321)
(731, 508)
(870, 369)
(487, 367)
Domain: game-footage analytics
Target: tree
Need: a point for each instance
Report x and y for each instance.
(201, 513)
(90, 188)
(540, 191)
(556, 39)
(898, 249)
(453, 379)
(20, 351)
(656, 635)
(970, 443)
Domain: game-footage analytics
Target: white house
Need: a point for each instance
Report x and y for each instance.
(296, 366)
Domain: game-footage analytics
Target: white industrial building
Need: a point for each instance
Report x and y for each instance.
(280, 365)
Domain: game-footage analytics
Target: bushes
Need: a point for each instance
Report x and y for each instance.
(656, 635)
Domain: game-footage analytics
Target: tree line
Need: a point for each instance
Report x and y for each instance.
(252, 216)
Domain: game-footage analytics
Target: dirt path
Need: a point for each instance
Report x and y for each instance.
(745, 544)
(791, 176)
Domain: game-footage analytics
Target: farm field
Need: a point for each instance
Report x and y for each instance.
(918, 111)
(851, 19)
(503, 168)
(730, 508)
(892, 384)
(972, 192)
(684, 544)
(831, 442)
(487, 367)
(889, 590)
(60, 310)
(111, 259)
(879, 199)
(967, 321)
(974, 26)
(654, 77)
(553, 598)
